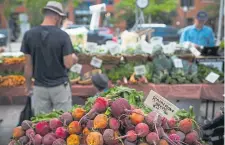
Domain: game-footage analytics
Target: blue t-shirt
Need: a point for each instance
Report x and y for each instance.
(201, 37)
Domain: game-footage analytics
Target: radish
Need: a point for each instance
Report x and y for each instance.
(119, 106)
(191, 137)
(48, 139)
(185, 125)
(61, 132)
(59, 141)
(152, 138)
(42, 128)
(55, 123)
(100, 105)
(66, 118)
(37, 139)
(142, 129)
(26, 124)
(174, 137)
(114, 124)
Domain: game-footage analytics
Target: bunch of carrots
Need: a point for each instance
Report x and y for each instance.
(14, 60)
(12, 81)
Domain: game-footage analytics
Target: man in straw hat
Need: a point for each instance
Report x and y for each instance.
(49, 55)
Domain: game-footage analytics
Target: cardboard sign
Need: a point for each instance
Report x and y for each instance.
(212, 77)
(114, 49)
(95, 62)
(76, 68)
(195, 51)
(160, 105)
(178, 63)
(92, 47)
(140, 70)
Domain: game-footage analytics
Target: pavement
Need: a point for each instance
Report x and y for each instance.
(10, 115)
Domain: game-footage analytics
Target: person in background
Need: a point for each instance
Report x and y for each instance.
(49, 55)
(199, 34)
(101, 83)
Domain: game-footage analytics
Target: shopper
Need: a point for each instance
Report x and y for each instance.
(49, 54)
(199, 34)
(101, 83)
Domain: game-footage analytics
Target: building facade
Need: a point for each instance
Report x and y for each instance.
(186, 12)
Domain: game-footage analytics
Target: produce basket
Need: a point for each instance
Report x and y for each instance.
(86, 79)
(109, 59)
(139, 57)
(74, 81)
(84, 58)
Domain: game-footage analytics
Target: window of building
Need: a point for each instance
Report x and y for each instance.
(187, 3)
(190, 21)
(108, 2)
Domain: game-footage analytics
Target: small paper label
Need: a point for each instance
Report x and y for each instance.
(92, 47)
(140, 70)
(160, 105)
(195, 51)
(178, 63)
(114, 49)
(212, 77)
(95, 62)
(76, 68)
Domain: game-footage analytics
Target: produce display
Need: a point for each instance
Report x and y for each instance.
(12, 80)
(162, 71)
(12, 58)
(115, 118)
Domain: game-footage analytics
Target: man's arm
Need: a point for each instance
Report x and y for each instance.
(28, 71)
(183, 37)
(69, 57)
(211, 38)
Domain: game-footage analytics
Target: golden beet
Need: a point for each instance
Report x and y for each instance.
(73, 139)
(74, 127)
(100, 121)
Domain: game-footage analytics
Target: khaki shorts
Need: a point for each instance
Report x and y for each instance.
(44, 100)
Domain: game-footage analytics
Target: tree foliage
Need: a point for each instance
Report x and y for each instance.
(34, 9)
(127, 8)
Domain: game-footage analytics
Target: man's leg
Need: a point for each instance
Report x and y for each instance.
(41, 102)
(61, 97)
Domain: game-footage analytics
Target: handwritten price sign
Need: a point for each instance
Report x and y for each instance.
(76, 68)
(140, 70)
(96, 62)
(160, 105)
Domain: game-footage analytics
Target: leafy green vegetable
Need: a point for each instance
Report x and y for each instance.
(73, 75)
(46, 117)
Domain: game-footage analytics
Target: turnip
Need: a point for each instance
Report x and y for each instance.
(191, 138)
(59, 141)
(55, 123)
(61, 132)
(26, 124)
(153, 119)
(185, 125)
(172, 123)
(48, 139)
(66, 118)
(109, 137)
(37, 139)
(114, 124)
(142, 129)
(30, 133)
(42, 128)
(119, 107)
(18, 132)
(23, 140)
(100, 105)
(152, 138)
(181, 135)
